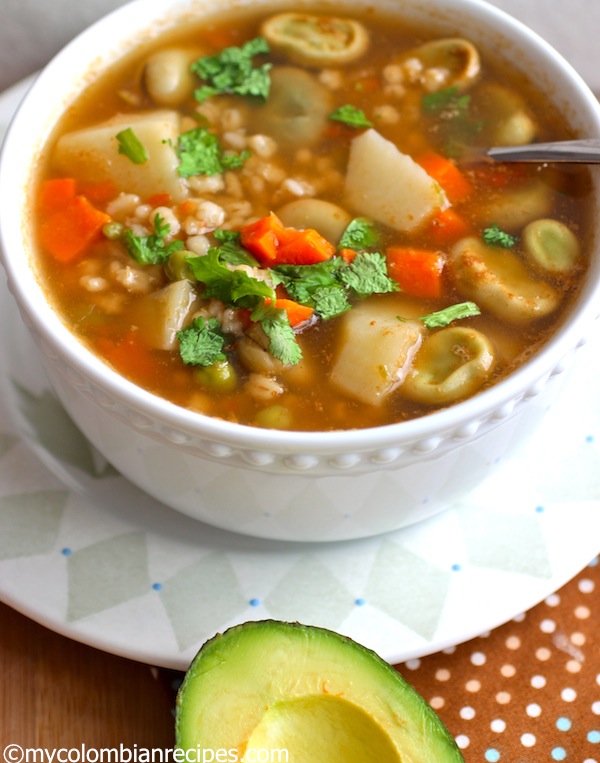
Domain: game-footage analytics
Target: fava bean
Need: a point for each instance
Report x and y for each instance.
(451, 364)
(218, 378)
(458, 59)
(550, 245)
(177, 267)
(168, 78)
(328, 219)
(497, 280)
(274, 417)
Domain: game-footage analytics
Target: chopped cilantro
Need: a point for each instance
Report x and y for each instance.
(230, 249)
(350, 116)
(330, 301)
(200, 153)
(359, 234)
(202, 343)
(131, 146)
(315, 285)
(233, 287)
(444, 317)
(367, 274)
(151, 250)
(232, 71)
(282, 340)
(448, 100)
(495, 236)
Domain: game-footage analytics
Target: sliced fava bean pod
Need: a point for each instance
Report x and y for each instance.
(456, 60)
(312, 40)
(497, 280)
(297, 109)
(551, 245)
(451, 365)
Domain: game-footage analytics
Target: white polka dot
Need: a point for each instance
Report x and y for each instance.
(449, 650)
(582, 613)
(473, 685)
(467, 713)
(413, 664)
(462, 741)
(596, 708)
(578, 639)
(503, 698)
(543, 653)
(478, 658)
(519, 618)
(513, 642)
(508, 671)
(538, 682)
(437, 702)
(485, 634)
(547, 626)
(568, 695)
(553, 600)
(533, 710)
(598, 679)
(590, 760)
(573, 666)
(498, 725)
(586, 585)
(442, 674)
(528, 740)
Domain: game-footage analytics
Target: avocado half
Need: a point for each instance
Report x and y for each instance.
(277, 691)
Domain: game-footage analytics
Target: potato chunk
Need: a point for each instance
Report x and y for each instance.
(163, 313)
(92, 155)
(376, 353)
(389, 186)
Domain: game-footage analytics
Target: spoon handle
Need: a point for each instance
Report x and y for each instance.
(574, 151)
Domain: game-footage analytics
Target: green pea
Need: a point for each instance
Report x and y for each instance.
(178, 268)
(220, 378)
(113, 230)
(274, 417)
(550, 245)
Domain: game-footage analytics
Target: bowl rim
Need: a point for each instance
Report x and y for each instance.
(54, 334)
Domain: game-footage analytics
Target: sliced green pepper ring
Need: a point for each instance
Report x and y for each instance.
(316, 40)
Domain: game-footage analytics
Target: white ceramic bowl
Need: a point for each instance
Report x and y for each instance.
(274, 484)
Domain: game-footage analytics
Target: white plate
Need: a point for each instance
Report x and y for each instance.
(90, 556)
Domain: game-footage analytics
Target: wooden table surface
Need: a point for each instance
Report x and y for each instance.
(528, 692)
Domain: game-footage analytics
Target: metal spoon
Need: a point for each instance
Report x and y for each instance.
(574, 151)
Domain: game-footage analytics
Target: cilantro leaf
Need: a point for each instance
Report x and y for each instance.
(131, 146)
(282, 340)
(232, 71)
(151, 249)
(201, 344)
(448, 100)
(351, 116)
(495, 236)
(230, 249)
(442, 318)
(315, 285)
(359, 234)
(200, 153)
(330, 301)
(367, 274)
(233, 287)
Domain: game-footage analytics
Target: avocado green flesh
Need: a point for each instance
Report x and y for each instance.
(319, 696)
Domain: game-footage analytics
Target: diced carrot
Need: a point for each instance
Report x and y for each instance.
(67, 231)
(55, 194)
(274, 244)
(187, 207)
(347, 254)
(453, 181)
(304, 247)
(101, 192)
(448, 226)
(160, 200)
(296, 312)
(261, 238)
(418, 272)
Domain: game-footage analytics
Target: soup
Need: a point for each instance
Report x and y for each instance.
(286, 221)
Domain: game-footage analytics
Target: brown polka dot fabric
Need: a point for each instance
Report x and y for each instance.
(529, 691)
